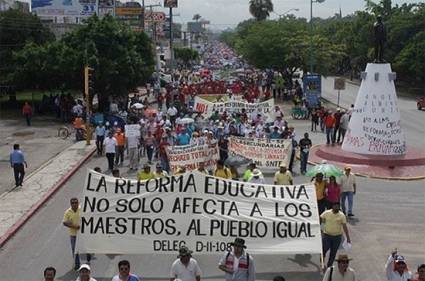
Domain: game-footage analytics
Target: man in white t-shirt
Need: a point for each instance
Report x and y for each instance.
(132, 147)
(185, 268)
(172, 113)
(109, 143)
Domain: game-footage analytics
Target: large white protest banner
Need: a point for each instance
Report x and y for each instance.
(205, 213)
(265, 153)
(207, 108)
(189, 156)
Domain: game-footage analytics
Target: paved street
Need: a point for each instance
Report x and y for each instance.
(412, 119)
(389, 214)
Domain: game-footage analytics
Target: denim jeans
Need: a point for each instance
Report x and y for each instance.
(110, 157)
(331, 243)
(19, 173)
(329, 135)
(99, 144)
(76, 256)
(119, 154)
(347, 196)
(165, 164)
(149, 152)
(303, 159)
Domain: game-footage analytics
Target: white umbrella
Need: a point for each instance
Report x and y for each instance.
(185, 120)
(137, 105)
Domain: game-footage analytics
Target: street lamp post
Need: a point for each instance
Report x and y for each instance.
(311, 32)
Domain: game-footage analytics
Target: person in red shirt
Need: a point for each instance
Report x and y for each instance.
(27, 112)
(330, 125)
(333, 192)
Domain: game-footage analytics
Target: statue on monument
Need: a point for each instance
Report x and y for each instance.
(380, 39)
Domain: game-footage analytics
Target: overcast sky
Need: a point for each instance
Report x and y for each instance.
(228, 13)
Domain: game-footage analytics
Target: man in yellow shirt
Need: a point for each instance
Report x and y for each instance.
(320, 186)
(283, 176)
(71, 219)
(334, 223)
(221, 171)
(146, 174)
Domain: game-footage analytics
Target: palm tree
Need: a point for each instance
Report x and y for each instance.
(196, 17)
(260, 9)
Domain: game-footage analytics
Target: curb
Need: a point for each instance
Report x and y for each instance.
(15, 227)
(375, 177)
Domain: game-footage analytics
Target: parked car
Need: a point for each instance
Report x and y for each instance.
(420, 103)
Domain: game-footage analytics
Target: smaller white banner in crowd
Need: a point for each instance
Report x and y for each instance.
(132, 130)
(205, 213)
(189, 156)
(265, 153)
(207, 108)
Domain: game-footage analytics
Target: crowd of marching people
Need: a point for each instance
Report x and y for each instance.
(166, 117)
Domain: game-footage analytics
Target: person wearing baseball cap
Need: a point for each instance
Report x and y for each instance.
(396, 268)
(243, 269)
(341, 272)
(348, 190)
(185, 267)
(283, 176)
(84, 273)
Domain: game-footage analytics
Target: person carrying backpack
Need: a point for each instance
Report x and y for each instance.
(237, 264)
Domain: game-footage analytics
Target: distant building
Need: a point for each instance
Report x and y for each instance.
(15, 5)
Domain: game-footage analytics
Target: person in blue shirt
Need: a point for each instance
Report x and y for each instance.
(124, 272)
(17, 162)
(100, 136)
(275, 134)
(183, 138)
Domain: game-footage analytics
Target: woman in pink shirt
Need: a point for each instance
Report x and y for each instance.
(333, 192)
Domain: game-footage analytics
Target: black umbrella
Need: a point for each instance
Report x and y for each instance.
(237, 161)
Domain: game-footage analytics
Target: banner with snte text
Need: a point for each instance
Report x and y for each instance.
(205, 213)
(267, 154)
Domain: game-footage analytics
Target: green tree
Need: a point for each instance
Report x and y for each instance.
(186, 55)
(284, 46)
(409, 63)
(260, 9)
(16, 30)
(122, 60)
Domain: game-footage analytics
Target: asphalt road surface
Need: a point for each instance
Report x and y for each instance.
(389, 214)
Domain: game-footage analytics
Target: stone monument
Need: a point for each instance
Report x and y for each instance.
(375, 126)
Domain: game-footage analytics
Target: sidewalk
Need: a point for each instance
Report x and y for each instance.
(38, 142)
(19, 204)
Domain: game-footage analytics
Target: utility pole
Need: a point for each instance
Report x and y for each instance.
(143, 15)
(171, 40)
(88, 85)
(311, 32)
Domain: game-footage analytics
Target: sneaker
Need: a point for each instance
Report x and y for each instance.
(351, 215)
